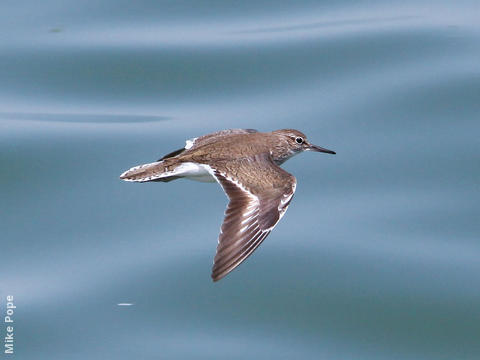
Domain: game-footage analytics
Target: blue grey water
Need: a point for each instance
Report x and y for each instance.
(378, 256)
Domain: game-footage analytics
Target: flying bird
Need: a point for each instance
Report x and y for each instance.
(246, 164)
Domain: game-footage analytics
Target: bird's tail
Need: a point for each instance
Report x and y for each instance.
(156, 171)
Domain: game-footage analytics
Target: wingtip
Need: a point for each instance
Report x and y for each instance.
(216, 277)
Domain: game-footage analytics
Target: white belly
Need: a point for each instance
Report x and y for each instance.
(197, 172)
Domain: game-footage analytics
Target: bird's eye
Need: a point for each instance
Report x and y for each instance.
(299, 140)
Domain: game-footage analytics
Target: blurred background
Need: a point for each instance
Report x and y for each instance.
(378, 256)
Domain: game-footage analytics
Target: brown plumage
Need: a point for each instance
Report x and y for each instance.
(246, 164)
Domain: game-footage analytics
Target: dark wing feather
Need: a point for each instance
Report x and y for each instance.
(172, 154)
(259, 192)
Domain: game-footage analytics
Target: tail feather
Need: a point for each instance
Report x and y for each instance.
(147, 172)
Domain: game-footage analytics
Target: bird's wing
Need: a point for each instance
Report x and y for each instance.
(259, 193)
(206, 139)
(210, 138)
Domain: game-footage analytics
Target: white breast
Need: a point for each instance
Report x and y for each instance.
(192, 171)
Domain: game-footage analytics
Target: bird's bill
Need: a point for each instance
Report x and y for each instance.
(320, 149)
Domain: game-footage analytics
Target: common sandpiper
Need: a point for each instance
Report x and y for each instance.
(246, 163)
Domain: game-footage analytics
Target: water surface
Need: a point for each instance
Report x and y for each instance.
(378, 256)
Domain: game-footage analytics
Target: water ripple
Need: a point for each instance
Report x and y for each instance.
(82, 118)
(377, 257)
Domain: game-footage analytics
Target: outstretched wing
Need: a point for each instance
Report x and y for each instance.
(206, 139)
(259, 193)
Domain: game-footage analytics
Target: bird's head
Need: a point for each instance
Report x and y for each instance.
(291, 142)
